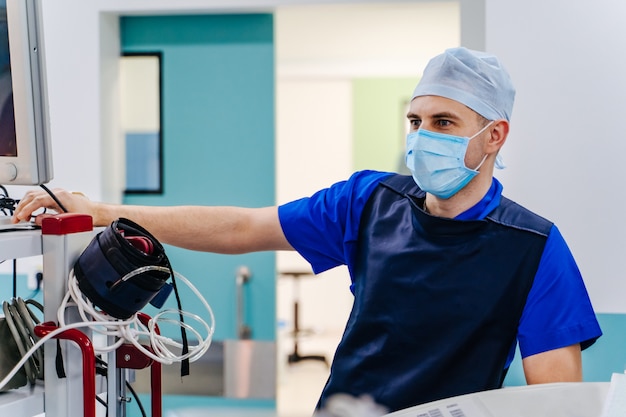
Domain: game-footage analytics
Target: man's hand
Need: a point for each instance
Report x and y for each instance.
(35, 200)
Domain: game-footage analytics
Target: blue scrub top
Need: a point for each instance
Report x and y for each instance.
(324, 229)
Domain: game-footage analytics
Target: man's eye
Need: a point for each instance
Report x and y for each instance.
(444, 123)
(415, 123)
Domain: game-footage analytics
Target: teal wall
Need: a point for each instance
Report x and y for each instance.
(22, 290)
(218, 143)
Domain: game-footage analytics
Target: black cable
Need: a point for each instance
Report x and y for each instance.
(136, 397)
(101, 401)
(14, 278)
(39, 278)
(54, 197)
(6, 202)
(101, 369)
(184, 366)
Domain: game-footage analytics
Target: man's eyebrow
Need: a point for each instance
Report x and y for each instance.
(445, 115)
(440, 115)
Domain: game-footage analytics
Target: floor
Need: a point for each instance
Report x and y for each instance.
(300, 384)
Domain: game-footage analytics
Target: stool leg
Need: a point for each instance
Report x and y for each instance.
(295, 356)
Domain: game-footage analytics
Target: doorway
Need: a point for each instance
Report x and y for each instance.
(372, 51)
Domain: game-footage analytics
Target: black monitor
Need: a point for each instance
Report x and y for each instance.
(25, 157)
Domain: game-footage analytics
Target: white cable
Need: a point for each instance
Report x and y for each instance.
(39, 343)
(131, 329)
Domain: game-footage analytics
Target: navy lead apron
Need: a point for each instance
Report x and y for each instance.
(437, 301)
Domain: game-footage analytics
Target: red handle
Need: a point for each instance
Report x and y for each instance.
(137, 361)
(89, 362)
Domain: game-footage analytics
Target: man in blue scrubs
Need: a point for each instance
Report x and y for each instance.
(448, 275)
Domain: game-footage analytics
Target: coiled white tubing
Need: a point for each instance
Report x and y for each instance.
(128, 330)
(131, 329)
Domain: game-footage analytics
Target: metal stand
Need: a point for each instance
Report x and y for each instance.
(64, 237)
(295, 356)
(61, 240)
(128, 357)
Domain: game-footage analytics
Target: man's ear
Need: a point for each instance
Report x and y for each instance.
(499, 133)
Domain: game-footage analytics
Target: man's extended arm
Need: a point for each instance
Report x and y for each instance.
(202, 228)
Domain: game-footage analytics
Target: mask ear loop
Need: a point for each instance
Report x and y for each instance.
(478, 133)
(483, 129)
(481, 162)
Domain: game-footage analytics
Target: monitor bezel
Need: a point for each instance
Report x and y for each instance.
(33, 163)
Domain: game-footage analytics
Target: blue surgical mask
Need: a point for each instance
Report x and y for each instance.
(437, 161)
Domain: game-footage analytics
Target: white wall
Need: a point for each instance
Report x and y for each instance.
(72, 42)
(313, 150)
(566, 149)
(385, 39)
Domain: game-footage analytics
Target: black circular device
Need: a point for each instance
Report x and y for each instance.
(104, 270)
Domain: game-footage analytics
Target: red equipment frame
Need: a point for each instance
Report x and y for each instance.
(127, 357)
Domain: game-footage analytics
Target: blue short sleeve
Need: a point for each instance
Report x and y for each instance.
(324, 227)
(558, 312)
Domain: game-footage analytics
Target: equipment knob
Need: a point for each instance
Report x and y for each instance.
(10, 171)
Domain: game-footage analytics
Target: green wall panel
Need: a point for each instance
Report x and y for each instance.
(379, 122)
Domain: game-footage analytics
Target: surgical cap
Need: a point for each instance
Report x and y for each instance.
(475, 79)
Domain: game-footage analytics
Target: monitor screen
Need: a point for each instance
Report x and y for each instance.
(25, 157)
(8, 144)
